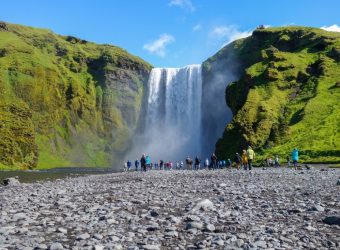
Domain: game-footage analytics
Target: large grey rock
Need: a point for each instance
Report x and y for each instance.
(209, 228)
(12, 181)
(204, 205)
(56, 246)
(19, 216)
(83, 236)
(62, 230)
(317, 208)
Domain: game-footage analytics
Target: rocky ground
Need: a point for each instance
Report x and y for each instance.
(224, 209)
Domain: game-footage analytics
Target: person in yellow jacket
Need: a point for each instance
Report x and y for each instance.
(245, 159)
(251, 156)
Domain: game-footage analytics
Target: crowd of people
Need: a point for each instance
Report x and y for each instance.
(245, 161)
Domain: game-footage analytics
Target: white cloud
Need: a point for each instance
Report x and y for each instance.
(228, 33)
(158, 46)
(197, 27)
(334, 28)
(184, 4)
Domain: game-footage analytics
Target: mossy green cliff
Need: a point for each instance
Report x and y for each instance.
(65, 101)
(287, 94)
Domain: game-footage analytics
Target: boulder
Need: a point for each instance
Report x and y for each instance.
(317, 208)
(332, 220)
(56, 246)
(12, 181)
(204, 205)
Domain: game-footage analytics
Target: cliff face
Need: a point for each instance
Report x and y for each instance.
(287, 93)
(65, 101)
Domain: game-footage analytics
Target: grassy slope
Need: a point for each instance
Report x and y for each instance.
(65, 101)
(288, 94)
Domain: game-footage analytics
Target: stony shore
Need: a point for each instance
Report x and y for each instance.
(223, 209)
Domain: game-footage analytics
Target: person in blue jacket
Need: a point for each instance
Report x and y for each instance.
(129, 165)
(295, 157)
(148, 162)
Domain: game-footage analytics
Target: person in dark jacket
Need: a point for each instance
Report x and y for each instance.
(213, 161)
(129, 164)
(136, 165)
(143, 163)
(237, 160)
(197, 163)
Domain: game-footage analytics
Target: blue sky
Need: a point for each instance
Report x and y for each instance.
(168, 33)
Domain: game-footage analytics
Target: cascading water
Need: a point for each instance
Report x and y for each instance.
(173, 119)
(183, 112)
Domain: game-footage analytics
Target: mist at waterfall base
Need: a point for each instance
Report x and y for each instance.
(174, 124)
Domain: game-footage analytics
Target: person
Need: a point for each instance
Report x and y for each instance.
(251, 157)
(230, 163)
(269, 162)
(170, 165)
(276, 162)
(129, 164)
(245, 159)
(295, 157)
(197, 163)
(213, 161)
(188, 162)
(181, 165)
(237, 160)
(206, 163)
(143, 163)
(224, 164)
(148, 162)
(125, 166)
(136, 164)
(288, 161)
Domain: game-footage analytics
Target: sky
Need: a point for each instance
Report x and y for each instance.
(169, 33)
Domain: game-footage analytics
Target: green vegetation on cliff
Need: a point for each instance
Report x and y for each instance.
(65, 101)
(287, 95)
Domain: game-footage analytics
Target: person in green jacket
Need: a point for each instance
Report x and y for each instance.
(251, 157)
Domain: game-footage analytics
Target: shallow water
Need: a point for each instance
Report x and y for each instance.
(30, 176)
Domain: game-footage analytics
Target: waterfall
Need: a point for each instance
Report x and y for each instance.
(173, 119)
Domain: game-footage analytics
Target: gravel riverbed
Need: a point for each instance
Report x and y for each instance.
(222, 209)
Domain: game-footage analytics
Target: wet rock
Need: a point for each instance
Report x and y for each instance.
(194, 224)
(152, 227)
(154, 213)
(332, 220)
